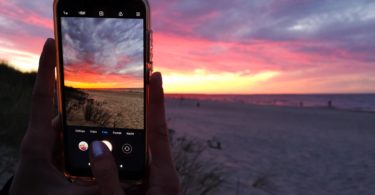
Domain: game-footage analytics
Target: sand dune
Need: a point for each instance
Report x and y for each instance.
(108, 108)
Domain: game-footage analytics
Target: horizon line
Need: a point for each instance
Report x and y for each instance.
(104, 87)
(345, 93)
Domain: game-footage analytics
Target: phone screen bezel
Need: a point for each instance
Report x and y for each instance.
(109, 6)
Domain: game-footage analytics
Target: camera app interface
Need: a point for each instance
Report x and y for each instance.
(103, 95)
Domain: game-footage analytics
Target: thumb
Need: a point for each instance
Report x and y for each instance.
(104, 169)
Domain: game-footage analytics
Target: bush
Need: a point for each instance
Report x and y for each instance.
(116, 120)
(198, 175)
(95, 112)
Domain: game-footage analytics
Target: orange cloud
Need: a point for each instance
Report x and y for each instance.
(88, 79)
(197, 65)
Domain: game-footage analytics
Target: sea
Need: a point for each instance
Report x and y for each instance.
(353, 102)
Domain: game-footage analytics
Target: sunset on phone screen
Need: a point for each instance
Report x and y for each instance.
(103, 72)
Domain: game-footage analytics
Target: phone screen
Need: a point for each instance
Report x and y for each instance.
(103, 86)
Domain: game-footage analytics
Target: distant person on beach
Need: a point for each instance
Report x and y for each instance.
(39, 169)
(182, 99)
(330, 104)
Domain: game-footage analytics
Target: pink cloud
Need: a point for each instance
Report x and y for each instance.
(215, 37)
(26, 16)
(301, 71)
(188, 53)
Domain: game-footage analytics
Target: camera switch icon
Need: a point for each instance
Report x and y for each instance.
(127, 148)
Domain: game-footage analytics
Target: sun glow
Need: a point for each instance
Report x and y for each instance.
(200, 81)
(84, 85)
(21, 60)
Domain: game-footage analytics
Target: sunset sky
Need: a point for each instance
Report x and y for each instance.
(237, 46)
(103, 58)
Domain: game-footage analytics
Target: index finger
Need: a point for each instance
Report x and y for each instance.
(157, 127)
(163, 175)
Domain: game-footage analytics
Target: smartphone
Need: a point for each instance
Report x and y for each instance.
(103, 69)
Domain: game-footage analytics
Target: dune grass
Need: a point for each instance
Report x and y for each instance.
(15, 102)
(15, 95)
(197, 174)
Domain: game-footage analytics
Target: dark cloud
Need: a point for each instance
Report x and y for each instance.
(347, 25)
(326, 37)
(108, 46)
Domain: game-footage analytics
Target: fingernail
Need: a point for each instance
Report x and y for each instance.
(97, 149)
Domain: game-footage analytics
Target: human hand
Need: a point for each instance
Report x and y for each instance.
(38, 174)
(162, 179)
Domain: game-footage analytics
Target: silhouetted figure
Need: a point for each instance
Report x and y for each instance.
(301, 104)
(330, 104)
(198, 104)
(182, 99)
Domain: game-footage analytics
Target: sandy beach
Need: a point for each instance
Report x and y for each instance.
(282, 150)
(108, 108)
